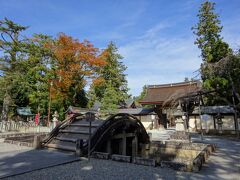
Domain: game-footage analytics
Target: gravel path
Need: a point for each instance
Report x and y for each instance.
(99, 170)
(223, 164)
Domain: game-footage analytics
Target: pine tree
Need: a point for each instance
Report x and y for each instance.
(112, 80)
(213, 49)
(110, 100)
(38, 72)
(13, 48)
(208, 31)
(24, 66)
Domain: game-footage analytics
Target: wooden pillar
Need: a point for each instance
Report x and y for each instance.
(124, 144)
(214, 122)
(79, 146)
(109, 148)
(135, 146)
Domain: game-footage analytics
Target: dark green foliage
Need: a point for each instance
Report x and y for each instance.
(225, 79)
(208, 35)
(29, 65)
(24, 67)
(114, 88)
(14, 49)
(213, 50)
(110, 100)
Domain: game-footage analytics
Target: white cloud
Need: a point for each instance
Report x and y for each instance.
(230, 33)
(154, 58)
(151, 33)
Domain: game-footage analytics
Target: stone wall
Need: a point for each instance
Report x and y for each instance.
(179, 156)
(194, 123)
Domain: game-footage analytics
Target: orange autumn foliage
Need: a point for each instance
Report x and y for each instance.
(98, 81)
(75, 62)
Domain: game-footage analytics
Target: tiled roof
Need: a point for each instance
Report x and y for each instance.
(137, 111)
(78, 110)
(158, 94)
(24, 111)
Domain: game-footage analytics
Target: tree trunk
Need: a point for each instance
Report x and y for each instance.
(5, 110)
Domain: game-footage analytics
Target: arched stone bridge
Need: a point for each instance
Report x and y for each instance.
(120, 134)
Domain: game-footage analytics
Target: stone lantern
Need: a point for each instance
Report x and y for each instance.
(179, 119)
(55, 119)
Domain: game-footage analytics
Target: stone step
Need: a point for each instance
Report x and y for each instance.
(61, 147)
(121, 158)
(73, 131)
(84, 125)
(69, 134)
(66, 139)
(79, 128)
(73, 136)
(144, 161)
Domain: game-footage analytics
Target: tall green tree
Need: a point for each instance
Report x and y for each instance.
(110, 100)
(208, 30)
(112, 80)
(213, 49)
(25, 67)
(229, 67)
(13, 46)
(38, 72)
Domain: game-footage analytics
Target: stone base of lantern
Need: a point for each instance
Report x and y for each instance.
(180, 125)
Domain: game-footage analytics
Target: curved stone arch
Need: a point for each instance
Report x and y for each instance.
(73, 134)
(115, 125)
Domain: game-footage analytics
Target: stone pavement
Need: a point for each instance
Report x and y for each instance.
(222, 164)
(19, 159)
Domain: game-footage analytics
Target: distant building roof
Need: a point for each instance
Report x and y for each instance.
(127, 103)
(24, 111)
(137, 111)
(158, 94)
(79, 110)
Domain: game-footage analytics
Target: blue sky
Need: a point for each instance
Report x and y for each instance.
(154, 36)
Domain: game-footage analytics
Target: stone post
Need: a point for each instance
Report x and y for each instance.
(55, 119)
(79, 146)
(37, 142)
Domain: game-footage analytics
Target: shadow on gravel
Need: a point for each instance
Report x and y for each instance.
(16, 162)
